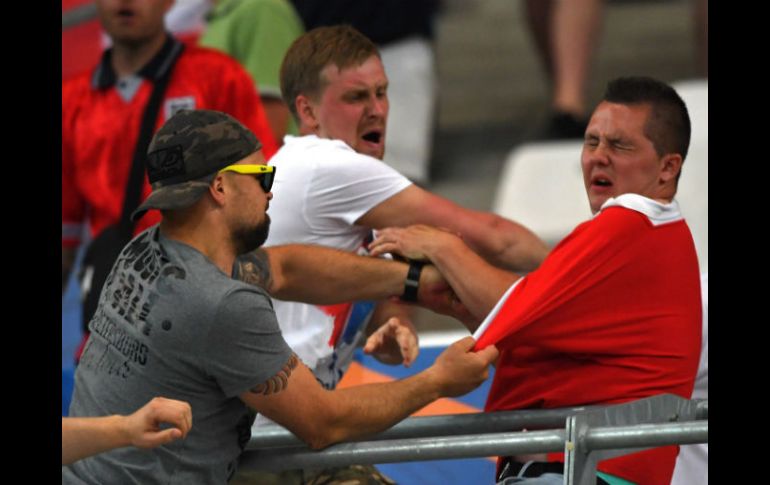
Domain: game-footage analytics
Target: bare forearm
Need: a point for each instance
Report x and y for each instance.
(373, 408)
(500, 241)
(505, 243)
(368, 409)
(322, 417)
(476, 283)
(82, 437)
(319, 275)
(295, 399)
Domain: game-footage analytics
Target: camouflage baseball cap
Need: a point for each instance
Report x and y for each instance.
(187, 152)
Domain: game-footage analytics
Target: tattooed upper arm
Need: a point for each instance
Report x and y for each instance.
(280, 381)
(254, 268)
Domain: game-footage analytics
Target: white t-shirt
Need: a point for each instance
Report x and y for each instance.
(322, 187)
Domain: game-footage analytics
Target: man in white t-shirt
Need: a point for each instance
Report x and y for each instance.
(332, 189)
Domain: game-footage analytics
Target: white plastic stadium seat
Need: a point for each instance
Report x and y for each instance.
(693, 192)
(541, 186)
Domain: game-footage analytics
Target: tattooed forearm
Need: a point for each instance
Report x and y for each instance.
(280, 381)
(254, 268)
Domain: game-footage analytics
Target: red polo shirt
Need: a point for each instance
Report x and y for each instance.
(613, 314)
(100, 128)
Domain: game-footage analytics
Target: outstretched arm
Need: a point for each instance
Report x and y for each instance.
(324, 276)
(320, 417)
(478, 284)
(498, 240)
(83, 437)
(286, 272)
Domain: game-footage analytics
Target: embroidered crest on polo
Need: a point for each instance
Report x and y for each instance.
(173, 105)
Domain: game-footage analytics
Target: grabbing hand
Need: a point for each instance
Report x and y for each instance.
(460, 370)
(143, 426)
(417, 242)
(394, 342)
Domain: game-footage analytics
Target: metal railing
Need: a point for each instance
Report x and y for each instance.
(587, 435)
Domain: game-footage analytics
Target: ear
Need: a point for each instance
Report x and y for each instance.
(306, 110)
(217, 189)
(670, 166)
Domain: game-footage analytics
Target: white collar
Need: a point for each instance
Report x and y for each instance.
(657, 212)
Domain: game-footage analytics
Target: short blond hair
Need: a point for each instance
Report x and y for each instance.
(309, 54)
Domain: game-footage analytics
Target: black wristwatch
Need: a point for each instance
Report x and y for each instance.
(412, 282)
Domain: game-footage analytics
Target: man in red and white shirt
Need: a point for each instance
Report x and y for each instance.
(613, 313)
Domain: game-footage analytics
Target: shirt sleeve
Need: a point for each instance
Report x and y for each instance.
(245, 344)
(348, 184)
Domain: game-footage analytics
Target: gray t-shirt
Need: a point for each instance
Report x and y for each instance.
(170, 323)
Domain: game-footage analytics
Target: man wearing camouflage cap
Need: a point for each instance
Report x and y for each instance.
(172, 322)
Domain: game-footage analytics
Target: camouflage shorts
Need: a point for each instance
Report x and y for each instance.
(349, 475)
